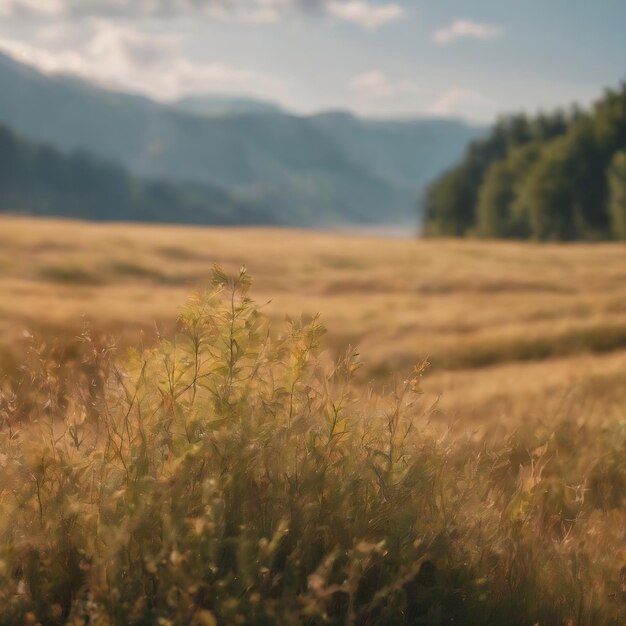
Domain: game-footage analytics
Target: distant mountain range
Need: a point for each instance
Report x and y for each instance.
(327, 169)
(224, 105)
(36, 179)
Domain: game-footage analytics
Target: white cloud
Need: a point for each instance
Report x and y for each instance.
(466, 29)
(364, 14)
(45, 8)
(465, 103)
(118, 56)
(245, 10)
(377, 84)
(254, 11)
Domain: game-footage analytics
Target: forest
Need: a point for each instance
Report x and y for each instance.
(551, 177)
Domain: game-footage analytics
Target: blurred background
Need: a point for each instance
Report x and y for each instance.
(327, 113)
(340, 149)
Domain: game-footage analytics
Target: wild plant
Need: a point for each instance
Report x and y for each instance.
(233, 475)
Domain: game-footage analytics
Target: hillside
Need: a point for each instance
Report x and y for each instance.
(305, 169)
(36, 179)
(550, 177)
(212, 105)
(408, 153)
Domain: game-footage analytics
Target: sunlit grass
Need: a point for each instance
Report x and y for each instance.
(464, 306)
(233, 474)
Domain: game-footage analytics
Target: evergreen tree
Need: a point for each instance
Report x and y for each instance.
(495, 200)
(543, 177)
(617, 197)
(547, 195)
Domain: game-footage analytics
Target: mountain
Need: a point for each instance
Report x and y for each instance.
(407, 153)
(36, 179)
(328, 169)
(210, 105)
(560, 177)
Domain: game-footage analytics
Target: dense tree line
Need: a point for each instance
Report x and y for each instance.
(37, 179)
(550, 177)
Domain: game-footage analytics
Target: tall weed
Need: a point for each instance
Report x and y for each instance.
(231, 475)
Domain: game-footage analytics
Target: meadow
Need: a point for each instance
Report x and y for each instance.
(466, 467)
(505, 327)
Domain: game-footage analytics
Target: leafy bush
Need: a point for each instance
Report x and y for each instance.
(232, 476)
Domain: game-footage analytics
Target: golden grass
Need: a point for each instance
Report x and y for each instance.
(232, 475)
(505, 325)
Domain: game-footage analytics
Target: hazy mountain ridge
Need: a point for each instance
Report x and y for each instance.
(212, 105)
(37, 179)
(409, 153)
(304, 170)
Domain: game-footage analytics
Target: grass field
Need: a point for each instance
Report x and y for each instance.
(508, 329)
(227, 472)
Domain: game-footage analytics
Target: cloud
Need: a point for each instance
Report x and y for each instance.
(465, 29)
(377, 84)
(44, 8)
(359, 12)
(363, 14)
(118, 56)
(245, 10)
(254, 11)
(466, 103)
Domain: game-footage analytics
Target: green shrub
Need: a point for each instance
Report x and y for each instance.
(230, 476)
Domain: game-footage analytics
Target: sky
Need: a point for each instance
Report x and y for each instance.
(472, 59)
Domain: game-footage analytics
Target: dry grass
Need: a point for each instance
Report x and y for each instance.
(504, 325)
(231, 476)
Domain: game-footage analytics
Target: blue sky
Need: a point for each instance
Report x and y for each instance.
(374, 57)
